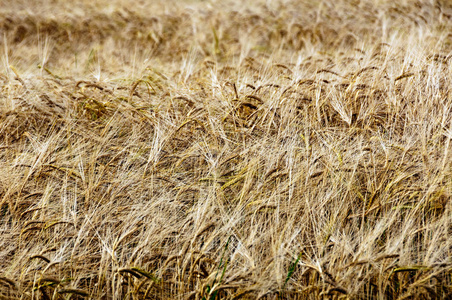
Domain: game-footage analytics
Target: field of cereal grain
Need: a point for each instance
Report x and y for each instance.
(279, 149)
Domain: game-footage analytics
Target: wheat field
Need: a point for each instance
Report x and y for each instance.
(281, 149)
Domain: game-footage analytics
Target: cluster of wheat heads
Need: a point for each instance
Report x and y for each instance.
(277, 150)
